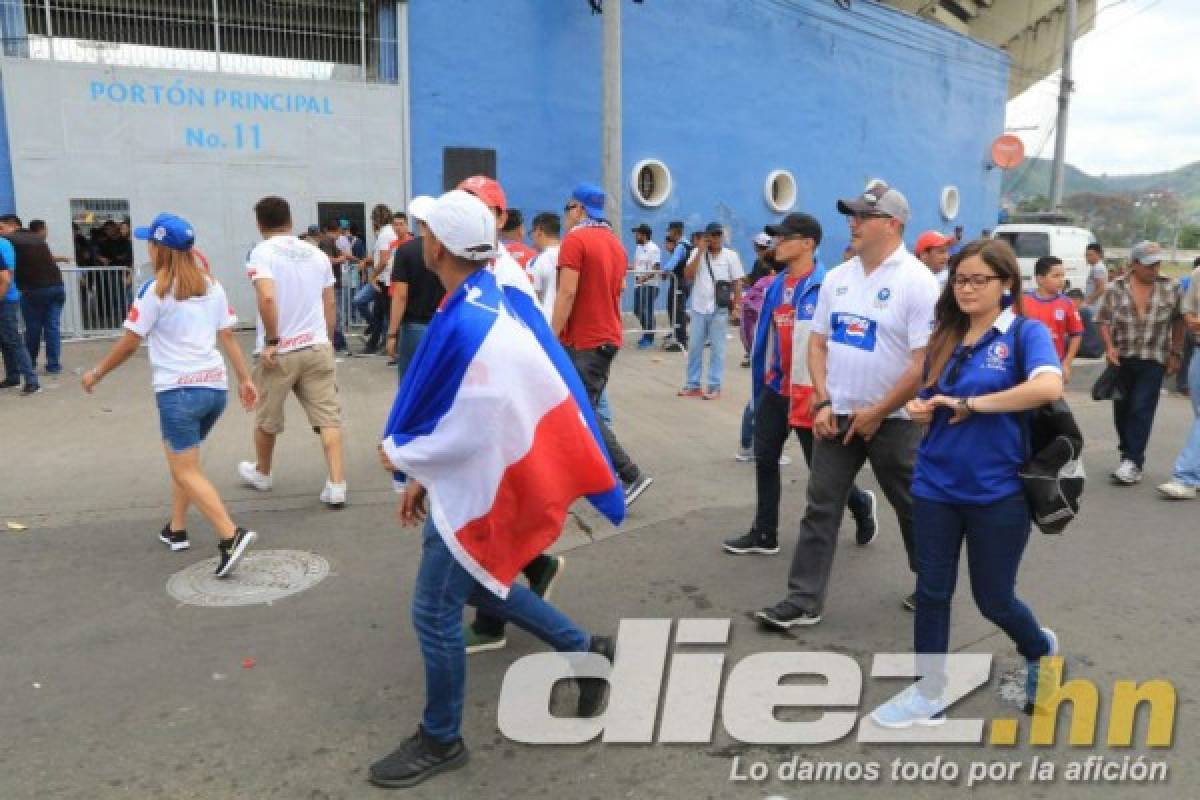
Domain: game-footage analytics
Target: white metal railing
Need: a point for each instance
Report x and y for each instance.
(309, 39)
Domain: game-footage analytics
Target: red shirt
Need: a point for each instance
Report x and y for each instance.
(1058, 314)
(599, 258)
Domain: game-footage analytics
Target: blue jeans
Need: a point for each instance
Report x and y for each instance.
(1139, 381)
(1187, 466)
(996, 535)
(603, 410)
(16, 356)
(442, 590)
(42, 310)
(187, 415)
(708, 328)
(643, 304)
(363, 300)
(411, 334)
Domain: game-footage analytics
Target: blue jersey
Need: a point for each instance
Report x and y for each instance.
(8, 261)
(976, 462)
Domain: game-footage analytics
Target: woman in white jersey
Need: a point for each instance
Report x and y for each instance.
(181, 313)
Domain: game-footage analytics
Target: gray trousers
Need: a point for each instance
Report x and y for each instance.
(891, 452)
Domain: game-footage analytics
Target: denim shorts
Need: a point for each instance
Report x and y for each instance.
(187, 415)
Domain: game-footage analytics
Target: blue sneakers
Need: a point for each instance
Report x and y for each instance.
(1033, 670)
(909, 708)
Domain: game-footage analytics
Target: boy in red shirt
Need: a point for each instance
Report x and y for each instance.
(1052, 308)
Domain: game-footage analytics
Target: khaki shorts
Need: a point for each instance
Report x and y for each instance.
(310, 374)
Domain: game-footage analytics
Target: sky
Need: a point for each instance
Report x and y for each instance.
(1137, 97)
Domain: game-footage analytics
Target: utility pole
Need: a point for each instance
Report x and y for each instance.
(1064, 100)
(611, 132)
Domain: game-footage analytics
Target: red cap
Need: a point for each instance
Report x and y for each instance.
(930, 239)
(487, 190)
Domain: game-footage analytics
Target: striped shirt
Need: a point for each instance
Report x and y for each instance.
(1147, 337)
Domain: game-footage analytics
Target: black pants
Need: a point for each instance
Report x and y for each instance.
(892, 452)
(1139, 382)
(489, 625)
(593, 367)
(770, 433)
(643, 303)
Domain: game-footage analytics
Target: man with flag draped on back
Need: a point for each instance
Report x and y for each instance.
(494, 430)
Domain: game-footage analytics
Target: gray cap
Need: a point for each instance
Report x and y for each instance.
(1146, 252)
(877, 198)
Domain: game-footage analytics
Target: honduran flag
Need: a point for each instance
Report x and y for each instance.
(494, 421)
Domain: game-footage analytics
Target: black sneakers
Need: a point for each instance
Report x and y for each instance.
(785, 614)
(176, 540)
(866, 521)
(31, 388)
(634, 489)
(418, 759)
(752, 543)
(593, 691)
(232, 550)
(910, 602)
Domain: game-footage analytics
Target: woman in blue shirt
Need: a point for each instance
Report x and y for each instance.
(966, 484)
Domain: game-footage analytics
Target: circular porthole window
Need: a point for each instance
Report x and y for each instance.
(949, 202)
(780, 190)
(650, 182)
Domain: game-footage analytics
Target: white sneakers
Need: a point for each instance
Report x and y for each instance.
(1177, 491)
(1127, 473)
(333, 495)
(248, 471)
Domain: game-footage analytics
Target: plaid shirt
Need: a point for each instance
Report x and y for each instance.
(1147, 337)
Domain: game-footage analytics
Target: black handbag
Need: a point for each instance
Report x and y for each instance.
(722, 290)
(1105, 387)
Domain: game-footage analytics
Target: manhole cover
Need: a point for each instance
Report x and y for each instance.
(263, 576)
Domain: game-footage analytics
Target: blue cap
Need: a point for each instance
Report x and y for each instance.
(591, 197)
(169, 230)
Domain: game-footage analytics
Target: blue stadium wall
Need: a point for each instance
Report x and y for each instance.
(721, 91)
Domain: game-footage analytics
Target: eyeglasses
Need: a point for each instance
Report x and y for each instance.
(974, 281)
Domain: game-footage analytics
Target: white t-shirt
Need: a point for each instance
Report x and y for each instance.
(872, 324)
(726, 266)
(301, 272)
(509, 272)
(182, 336)
(647, 257)
(942, 277)
(544, 271)
(383, 249)
(1096, 273)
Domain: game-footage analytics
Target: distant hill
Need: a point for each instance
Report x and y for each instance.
(1033, 178)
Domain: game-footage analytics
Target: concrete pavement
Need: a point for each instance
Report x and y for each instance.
(111, 688)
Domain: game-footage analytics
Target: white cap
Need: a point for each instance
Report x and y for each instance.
(419, 206)
(464, 225)
(762, 240)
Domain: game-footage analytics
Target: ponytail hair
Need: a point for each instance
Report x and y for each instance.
(178, 272)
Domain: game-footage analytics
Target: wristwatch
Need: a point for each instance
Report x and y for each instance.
(965, 404)
(272, 342)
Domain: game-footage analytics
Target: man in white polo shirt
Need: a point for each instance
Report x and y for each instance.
(293, 284)
(866, 353)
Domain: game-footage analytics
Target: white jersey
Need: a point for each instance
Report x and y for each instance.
(872, 324)
(385, 243)
(182, 336)
(301, 273)
(544, 271)
(647, 257)
(509, 272)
